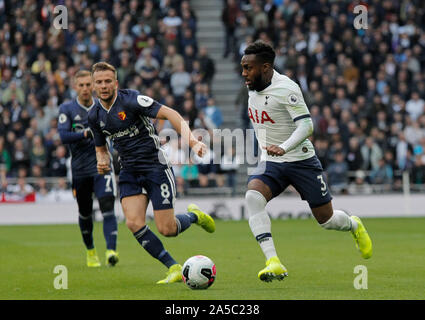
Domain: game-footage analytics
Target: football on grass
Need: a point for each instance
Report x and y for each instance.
(199, 272)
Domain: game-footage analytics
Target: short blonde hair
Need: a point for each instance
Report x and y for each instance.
(103, 66)
(82, 73)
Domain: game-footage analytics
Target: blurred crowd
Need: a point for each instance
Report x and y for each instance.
(152, 43)
(365, 88)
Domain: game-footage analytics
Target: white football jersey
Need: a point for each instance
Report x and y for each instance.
(273, 113)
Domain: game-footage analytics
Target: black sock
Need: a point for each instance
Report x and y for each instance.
(185, 220)
(151, 243)
(86, 227)
(110, 229)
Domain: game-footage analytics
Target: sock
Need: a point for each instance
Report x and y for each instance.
(110, 229)
(185, 220)
(260, 223)
(340, 221)
(151, 243)
(86, 227)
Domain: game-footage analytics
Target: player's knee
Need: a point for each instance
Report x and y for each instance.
(106, 204)
(167, 229)
(255, 202)
(134, 225)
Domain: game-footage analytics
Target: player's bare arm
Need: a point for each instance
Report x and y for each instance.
(103, 160)
(182, 128)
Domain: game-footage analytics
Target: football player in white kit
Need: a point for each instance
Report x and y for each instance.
(282, 124)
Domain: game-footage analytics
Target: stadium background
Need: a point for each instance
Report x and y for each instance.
(365, 88)
(365, 91)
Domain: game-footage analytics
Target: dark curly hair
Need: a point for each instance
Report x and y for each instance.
(262, 50)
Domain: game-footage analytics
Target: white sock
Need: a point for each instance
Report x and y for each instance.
(340, 221)
(260, 223)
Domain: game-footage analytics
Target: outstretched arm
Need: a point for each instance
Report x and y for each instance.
(182, 128)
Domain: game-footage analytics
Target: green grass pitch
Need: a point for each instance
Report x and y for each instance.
(320, 263)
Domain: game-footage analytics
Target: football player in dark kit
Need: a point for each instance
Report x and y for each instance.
(75, 132)
(145, 175)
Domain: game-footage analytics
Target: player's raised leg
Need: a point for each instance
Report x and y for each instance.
(162, 192)
(339, 220)
(260, 224)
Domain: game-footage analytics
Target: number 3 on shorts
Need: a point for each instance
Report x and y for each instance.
(323, 183)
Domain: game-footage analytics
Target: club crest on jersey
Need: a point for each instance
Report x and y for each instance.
(255, 117)
(122, 115)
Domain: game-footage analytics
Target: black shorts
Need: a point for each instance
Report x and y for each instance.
(306, 176)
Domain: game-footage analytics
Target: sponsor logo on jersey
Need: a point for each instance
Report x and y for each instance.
(131, 132)
(77, 118)
(256, 118)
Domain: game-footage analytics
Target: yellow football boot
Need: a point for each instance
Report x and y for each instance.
(111, 258)
(174, 274)
(274, 270)
(92, 258)
(362, 239)
(204, 219)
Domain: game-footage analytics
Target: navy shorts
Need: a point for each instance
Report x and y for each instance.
(306, 176)
(84, 187)
(101, 185)
(158, 184)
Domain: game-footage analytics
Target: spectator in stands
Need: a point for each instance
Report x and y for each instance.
(212, 115)
(417, 174)
(148, 68)
(383, 174)
(190, 175)
(20, 156)
(21, 188)
(172, 60)
(180, 81)
(5, 158)
(338, 173)
(354, 156)
(359, 185)
(229, 16)
(38, 154)
(58, 167)
(415, 106)
(207, 66)
(371, 153)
